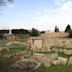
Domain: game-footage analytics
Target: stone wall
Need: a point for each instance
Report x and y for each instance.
(58, 42)
(44, 44)
(36, 43)
(55, 35)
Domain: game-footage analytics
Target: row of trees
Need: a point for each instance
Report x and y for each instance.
(34, 32)
(68, 28)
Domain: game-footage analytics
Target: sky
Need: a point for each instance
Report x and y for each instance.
(39, 14)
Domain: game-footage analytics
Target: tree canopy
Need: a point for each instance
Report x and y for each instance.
(34, 32)
(19, 31)
(56, 29)
(68, 28)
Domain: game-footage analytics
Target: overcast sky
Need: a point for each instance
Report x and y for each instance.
(40, 14)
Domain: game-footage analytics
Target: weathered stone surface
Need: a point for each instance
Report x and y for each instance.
(0, 49)
(46, 59)
(44, 43)
(68, 52)
(27, 64)
(56, 62)
(52, 56)
(60, 60)
(38, 55)
(63, 60)
(16, 44)
(24, 54)
(70, 61)
(42, 58)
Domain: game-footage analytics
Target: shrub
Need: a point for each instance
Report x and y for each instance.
(56, 29)
(42, 32)
(19, 31)
(68, 28)
(34, 32)
(70, 34)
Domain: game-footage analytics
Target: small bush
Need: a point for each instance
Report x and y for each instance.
(56, 29)
(70, 34)
(68, 28)
(34, 32)
(19, 31)
(42, 32)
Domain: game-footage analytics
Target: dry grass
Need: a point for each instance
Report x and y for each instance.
(55, 35)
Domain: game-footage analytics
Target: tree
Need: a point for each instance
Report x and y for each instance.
(34, 32)
(24, 31)
(19, 31)
(68, 28)
(2, 33)
(70, 34)
(42, 32)
(56, 29)
(4, 2)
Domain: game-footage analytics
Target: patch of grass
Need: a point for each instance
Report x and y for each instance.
(57, 68)
(68, 48)
(11, 51)
(64, 55)
(42, 68)
(43, 52)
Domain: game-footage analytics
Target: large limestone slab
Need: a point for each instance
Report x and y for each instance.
(63, 60)
(68, 52)
(46, 59)
(70, 61)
